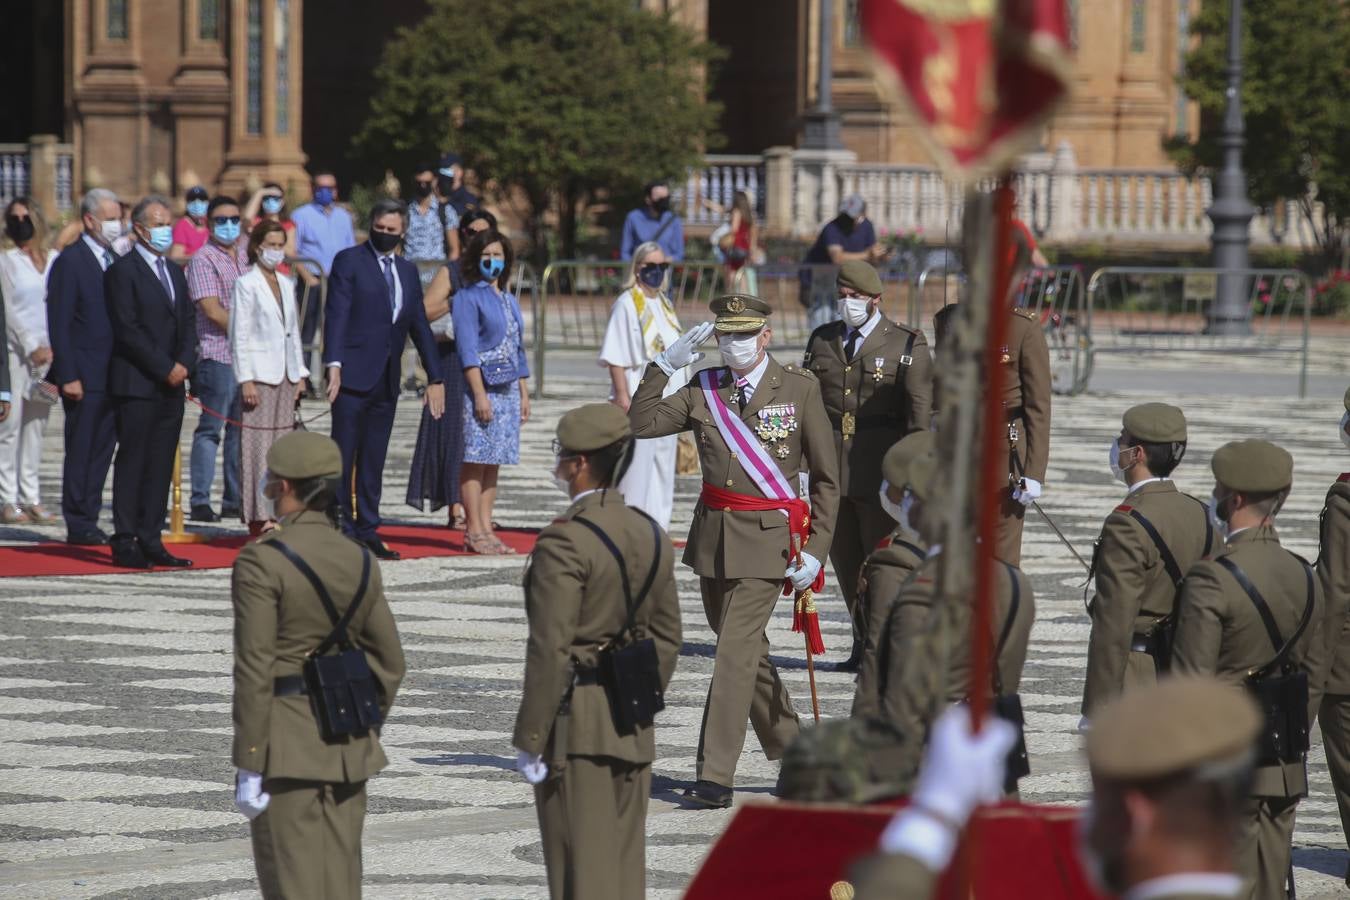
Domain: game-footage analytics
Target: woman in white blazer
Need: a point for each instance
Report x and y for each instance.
(269, 361)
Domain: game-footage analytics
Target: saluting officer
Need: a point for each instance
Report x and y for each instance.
(758, 426)
(601, 576)
(1147, 544)
(890, 565)
(1236, 614)
(877, 383)
(306, 796)
(1333, 571)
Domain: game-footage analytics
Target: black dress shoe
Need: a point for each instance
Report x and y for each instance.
(231, 512)
(706, 793)
(127, 555)
(204, 514)
(854, 661)
(158, 556)
(379, 548)
(87, 539)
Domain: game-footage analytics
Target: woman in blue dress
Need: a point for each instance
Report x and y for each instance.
(489, 337)
(433, 479)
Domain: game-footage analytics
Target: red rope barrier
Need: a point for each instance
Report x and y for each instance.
(235, 422)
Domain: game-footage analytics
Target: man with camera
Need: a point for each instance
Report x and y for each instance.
(604, 621)
(1253, 615)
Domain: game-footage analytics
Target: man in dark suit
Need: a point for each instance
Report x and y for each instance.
(154, 351)
(374, 304)
(81, 335)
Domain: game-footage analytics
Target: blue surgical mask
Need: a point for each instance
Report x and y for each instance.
(272, 205)
(226, 232)
(197, 208)
(323, 196)
(491, 267)
(161, 238)
(653, 275)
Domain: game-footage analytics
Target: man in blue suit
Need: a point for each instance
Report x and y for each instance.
(374, 304)
(81, 336)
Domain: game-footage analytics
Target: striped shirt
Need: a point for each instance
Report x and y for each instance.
(212, 272)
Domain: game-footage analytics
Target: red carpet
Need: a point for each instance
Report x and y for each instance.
(56, 558)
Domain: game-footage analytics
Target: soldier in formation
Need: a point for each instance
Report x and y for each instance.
(759, 426)
(604, 622)
(876, 380)
(1333, 571)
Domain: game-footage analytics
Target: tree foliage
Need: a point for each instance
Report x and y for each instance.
(1296, 59)
(553, 101)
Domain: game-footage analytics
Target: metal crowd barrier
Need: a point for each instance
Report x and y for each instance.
(1168, 310)
(313, 348)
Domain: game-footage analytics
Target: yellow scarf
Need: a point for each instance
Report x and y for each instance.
(651, 335)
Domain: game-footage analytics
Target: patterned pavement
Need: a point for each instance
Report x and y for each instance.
(115, 717)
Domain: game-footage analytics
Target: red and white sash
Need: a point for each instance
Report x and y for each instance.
(750, 453)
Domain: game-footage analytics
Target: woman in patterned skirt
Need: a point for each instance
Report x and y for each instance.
(269, 361)
(496, 400)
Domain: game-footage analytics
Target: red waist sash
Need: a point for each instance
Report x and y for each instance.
(798, 517)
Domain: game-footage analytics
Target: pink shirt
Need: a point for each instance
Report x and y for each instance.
(189, 235)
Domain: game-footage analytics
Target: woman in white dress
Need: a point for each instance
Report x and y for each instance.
(642, 323)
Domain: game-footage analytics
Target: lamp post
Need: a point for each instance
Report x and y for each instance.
(821, 130)
(1231, 211)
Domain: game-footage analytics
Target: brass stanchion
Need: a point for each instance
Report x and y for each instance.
(176, 534)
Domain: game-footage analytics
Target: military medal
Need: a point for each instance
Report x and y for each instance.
(880, 371)
(782, 451)
(1005, 357)
(776, 422)
(848, 425)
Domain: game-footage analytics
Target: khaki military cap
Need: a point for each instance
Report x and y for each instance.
(1168, 728)
(1347, 400)
(739, 313)
(1255, 466)
(895, 464)
(592, 427)
(1155, 423)
(304, 454)
(861, 277)
(923, 475)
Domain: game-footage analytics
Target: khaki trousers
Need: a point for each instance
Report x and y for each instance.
(593, 820)
(1008, 537)
(307, 843)
(858, 529)
(1334, 717)
(745, 683)
(1265, 845)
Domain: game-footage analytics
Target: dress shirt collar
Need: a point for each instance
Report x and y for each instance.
(754, 375)
(1205, 884)
(149, 256)
(866, 328)
(381, 257)
(1138, 484)
(101, 253)
(579, 497)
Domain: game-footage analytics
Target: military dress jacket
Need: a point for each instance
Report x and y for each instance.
(1220, 632)
(883, 574)
(1333, 570)
(278, 620)
(575, 604)
(787, 409)
(1134, 589)
(873, 400)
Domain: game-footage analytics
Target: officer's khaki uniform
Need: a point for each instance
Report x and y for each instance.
(1333, 571)
(1220, 632)
(593, 806)
(307, 843)
(885, 571)
(741, 557)
(1134, 589)
(881, 394)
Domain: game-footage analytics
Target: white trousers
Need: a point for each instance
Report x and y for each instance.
(21, 437)
(650, 482)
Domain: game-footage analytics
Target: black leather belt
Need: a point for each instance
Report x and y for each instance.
(289, 686)
(587, 676)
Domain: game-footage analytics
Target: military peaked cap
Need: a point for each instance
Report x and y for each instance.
(1155, 423)
(1253, 466)
(304, 454)
(739, 313)
(592, 427)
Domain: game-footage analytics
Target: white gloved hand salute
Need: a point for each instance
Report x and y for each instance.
(249, 797)
(1028, 490)
(684, 351)
(803, 575)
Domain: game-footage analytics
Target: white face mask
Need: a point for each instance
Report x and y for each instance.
(267, 507)
(1116, 470)
(895, 510)
(1345, 438)
(111, 229)
(558, 480)
(740, 351)
(270, 258)
(1212, 507)
(855, 311)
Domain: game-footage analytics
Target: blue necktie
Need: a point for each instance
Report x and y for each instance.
(107, 260)
(164, 279)
(389, 279)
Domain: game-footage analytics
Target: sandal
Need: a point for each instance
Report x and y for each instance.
(502, 548)
(482, 544)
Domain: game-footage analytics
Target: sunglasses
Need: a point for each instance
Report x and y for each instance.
(425, 183)
(664, 267)
(225, 220)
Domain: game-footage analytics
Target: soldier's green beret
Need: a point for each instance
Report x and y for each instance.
(1155, 423)
(859, 275)
(304, 454)
(592, 427)
(1178, 724)
(739, 313)
(895, 464)
(1347, 400)
(923, 475)
(1254, 466)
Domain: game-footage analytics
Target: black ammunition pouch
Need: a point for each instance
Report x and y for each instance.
(1157, 641)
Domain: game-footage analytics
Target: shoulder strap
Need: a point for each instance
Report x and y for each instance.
(1007, 627)
(1209, 527)
(630, 605)
(912, 548)
(1168, 560)
(339, 633)
(664, 225)
(1282, 647)
(907, 358)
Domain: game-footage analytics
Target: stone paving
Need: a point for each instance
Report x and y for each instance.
(115, 693)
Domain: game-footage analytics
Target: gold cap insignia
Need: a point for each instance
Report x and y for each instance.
(735, 306)
(841, 890)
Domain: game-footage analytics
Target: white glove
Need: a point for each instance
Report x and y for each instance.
(960, 771)
(804, 574)
(249, 797)
(531, 766)
(684, 351)
(1027, 491)
(1084, 726)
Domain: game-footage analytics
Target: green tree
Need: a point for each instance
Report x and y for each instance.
(1296, 58)
(557, 103)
